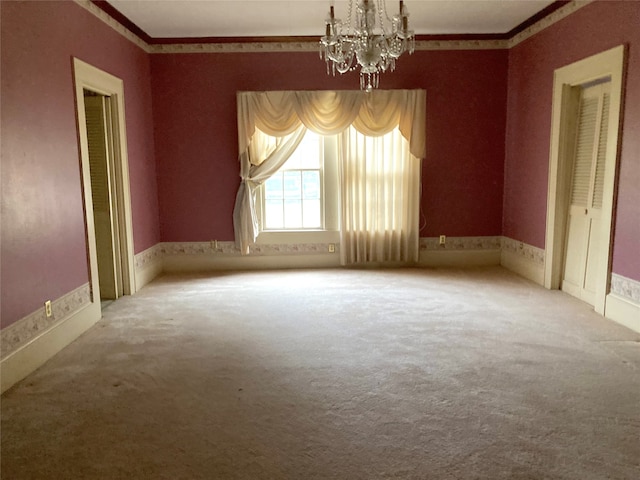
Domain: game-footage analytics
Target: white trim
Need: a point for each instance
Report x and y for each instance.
(212, 262)
(461, 243)
(623, 311)
(522, 265)
(94, 79)
(608, 63)
(531, 253)
(27, 328)
(219, 255)
(523, 259)
(148, 265)
(458, 258)
(30, 356)
(625, 287)
(459, 252)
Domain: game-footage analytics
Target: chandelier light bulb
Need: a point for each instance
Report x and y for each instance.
(366, 40)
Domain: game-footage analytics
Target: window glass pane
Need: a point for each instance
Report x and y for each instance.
(311, 214)
(292, 198)
(273, 186)
(293, 213)
(274, 215)
(292, 184)
(311, 184)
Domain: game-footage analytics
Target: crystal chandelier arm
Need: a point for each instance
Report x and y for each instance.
(374, 48)
(386, 13)
(382, 6)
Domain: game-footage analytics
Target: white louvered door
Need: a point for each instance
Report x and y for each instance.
(583, 249)
(109, 275)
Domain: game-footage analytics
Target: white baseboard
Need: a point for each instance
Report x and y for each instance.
(623, 311)
(523, 266)
(148, 265)
(41, 348)
(200, 263)
(147, 273)
(458, 258)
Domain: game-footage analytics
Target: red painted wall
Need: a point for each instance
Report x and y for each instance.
(592, 29)
(194, 98)
(43, 249)
(473, 97)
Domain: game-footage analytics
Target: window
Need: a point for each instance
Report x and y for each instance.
(292, 198)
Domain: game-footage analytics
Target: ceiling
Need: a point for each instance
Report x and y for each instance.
(268, 18)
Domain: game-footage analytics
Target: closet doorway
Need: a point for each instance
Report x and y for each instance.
(587, 99)
(105, 176)
(99, 122)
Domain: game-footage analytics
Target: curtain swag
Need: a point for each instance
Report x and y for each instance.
(331, 112)
(286, 115)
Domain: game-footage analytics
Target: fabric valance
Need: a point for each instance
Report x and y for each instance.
(331, 112)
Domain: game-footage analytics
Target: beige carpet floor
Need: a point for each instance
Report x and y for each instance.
(334, 374)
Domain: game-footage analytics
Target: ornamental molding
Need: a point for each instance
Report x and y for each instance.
(461, 243)
(547, 21)
(33, 325)
(531, 253)
(625, 287)
(113, 23)
(313, 46)
(148, 256)
(235, 47)
(230, 249)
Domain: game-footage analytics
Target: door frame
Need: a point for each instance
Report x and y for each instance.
(609, 64)
(91, 78)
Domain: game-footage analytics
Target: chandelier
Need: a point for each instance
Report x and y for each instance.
(374, 48)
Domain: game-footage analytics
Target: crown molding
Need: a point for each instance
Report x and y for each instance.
(113, 23)
(312, 46)
(270, 47)
(547, 21)
(235, 47)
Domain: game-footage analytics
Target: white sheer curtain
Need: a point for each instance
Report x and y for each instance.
(380, 199)
(264, 157)
(288, 113)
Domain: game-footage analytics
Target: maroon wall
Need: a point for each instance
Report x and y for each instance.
(43, 233)
(194, 98)
(473, 97)
(592, 29)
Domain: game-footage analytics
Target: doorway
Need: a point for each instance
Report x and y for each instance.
(99, 123)
(587, 99)
(105, 177)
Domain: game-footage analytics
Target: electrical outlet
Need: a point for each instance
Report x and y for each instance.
(47, 308)
(443, 239)
(332, 248)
